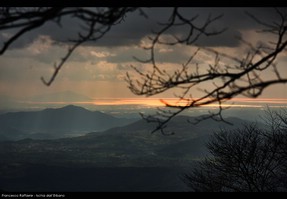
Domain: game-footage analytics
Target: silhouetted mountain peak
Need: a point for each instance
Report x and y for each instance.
(72, 111)
(72, 108)
(77, 109)
(68, 120)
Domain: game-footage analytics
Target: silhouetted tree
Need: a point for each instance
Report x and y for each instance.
(251, 159)
(230, 75)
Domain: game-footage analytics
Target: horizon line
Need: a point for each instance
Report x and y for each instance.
(235, 102)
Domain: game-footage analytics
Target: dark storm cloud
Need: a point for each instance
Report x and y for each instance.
(137, 27)
(234, 19)
(229, 38)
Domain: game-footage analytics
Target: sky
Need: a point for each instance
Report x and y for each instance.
(98, 69)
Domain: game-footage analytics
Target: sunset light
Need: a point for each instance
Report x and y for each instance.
(156, 102)
(142, 99)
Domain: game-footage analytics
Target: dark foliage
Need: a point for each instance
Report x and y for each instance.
(245, 160)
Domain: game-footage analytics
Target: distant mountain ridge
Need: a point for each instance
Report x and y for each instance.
(130, 145)
(56, 122)
(122, 158)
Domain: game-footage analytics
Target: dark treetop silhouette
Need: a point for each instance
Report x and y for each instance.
(250, 159)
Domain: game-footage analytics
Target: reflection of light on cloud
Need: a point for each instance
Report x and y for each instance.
(42, 44)
(165, 50)
(234, 105)
(261, 100)
(131, 101)
(60, 103)
(101, 54)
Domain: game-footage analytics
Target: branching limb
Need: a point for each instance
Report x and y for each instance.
(96, 23)
(228, 77)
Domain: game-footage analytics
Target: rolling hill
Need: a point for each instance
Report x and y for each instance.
(56, 123)
(129, 145)
(127, 158)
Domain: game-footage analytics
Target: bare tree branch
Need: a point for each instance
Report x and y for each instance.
(229, 75)
(97, 23)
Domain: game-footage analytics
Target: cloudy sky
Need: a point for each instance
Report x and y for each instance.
(98, 69)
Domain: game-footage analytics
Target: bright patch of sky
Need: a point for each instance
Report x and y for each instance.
(98, 70)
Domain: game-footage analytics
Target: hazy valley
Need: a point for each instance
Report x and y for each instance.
(112, 149)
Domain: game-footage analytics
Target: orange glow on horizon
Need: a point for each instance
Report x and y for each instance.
(160, 102)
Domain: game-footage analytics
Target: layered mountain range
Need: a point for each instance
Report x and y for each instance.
(52, 123)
